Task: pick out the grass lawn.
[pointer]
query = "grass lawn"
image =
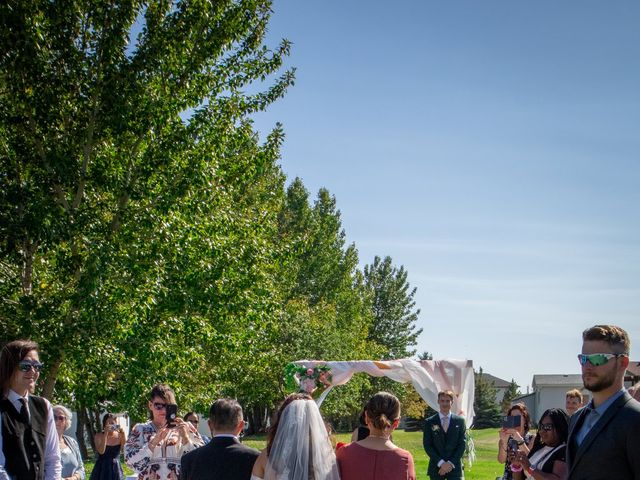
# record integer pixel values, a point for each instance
(486, 467)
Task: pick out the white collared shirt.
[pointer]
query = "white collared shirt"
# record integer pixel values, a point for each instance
(51, 461)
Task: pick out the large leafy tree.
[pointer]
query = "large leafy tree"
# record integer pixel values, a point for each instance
(136, 203)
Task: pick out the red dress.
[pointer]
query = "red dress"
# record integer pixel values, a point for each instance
(360, 463)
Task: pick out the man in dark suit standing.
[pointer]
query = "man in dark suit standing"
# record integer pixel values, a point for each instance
(444, 440)
(224, 457)
(604, 436)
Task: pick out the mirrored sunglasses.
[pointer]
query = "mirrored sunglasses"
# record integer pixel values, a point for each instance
(547, 427)
(159, 406)
(597, 359)
(25, 366)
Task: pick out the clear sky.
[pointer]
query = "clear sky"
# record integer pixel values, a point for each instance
(492, 148)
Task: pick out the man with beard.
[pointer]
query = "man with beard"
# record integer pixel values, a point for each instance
(603, 439)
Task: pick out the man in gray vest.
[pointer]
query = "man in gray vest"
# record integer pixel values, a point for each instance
(29, 447)
(604, 439)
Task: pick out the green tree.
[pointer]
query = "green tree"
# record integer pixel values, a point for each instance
(487, 410)
(137, 207)
(512, 392)
(393, 308)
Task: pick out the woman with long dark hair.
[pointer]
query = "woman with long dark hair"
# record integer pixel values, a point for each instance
(547, 458)
(109, 444)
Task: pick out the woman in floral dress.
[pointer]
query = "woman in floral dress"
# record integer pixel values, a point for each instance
(154, 449)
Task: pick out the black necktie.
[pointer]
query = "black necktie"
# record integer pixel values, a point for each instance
(24, 413)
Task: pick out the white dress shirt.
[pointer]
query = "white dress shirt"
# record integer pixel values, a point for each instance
(52, 467)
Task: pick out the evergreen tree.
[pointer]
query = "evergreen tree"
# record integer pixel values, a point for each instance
(487, 410)
(511, 393)
(393, 304)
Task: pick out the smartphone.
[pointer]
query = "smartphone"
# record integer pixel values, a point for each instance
(511, 421)
(172, 413)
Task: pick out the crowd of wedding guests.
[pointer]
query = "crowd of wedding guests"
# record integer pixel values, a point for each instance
(300, 444)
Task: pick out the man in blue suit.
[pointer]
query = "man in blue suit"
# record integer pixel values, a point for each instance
(604, 436)
(444, 440)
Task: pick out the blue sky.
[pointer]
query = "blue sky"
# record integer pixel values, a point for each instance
(492, 148)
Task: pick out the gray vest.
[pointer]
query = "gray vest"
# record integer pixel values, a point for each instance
(23, 442)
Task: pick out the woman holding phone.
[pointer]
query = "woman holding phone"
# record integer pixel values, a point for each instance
(521, 439)
(154, 448)
(109, 444)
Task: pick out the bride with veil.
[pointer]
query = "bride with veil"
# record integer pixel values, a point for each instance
(298, 446)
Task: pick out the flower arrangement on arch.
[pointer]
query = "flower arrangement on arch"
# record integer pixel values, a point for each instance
(307, 378)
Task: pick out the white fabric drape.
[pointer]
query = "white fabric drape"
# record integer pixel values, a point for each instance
(428, 377)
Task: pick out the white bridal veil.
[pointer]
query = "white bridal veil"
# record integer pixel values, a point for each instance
(301, 449)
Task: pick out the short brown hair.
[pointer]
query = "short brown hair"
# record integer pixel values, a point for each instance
(12, 354)
(447, 393)
(613, 335)
(575, 393)
(225, 414)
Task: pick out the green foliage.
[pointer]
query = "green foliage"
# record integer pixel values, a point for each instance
(512, 392)
(146, 234)
(137, 246)
(487, 410)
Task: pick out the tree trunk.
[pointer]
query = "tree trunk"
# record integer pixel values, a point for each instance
(50, 381)
(80, 429)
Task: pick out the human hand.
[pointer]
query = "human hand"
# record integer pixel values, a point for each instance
(522, 459)
(159, 437)
(184, 428)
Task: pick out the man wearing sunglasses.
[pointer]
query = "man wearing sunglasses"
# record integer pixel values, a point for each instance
(604, 436)
(29, 446)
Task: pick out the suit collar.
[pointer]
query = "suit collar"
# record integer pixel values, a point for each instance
(224, 440)
(595, 431)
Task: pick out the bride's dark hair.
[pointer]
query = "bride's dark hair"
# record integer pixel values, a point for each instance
(274, 428)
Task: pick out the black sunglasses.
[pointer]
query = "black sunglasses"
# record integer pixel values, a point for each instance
(26, 366)
(547, 427)
(159, 406)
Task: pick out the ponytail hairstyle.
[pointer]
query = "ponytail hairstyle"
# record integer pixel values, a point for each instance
(382, 410)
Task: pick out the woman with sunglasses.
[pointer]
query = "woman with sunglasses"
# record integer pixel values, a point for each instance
(154, 448)
(28, 439)
(194, 419)
(109, 444)
(546, 460)
(70, 458)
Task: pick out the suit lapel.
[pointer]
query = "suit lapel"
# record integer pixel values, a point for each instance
(596, 429)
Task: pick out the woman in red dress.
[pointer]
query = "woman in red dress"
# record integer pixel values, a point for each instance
(376, 457)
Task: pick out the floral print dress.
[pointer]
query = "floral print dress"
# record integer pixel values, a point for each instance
(161, 463)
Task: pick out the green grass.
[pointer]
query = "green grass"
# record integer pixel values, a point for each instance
(486, 467)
